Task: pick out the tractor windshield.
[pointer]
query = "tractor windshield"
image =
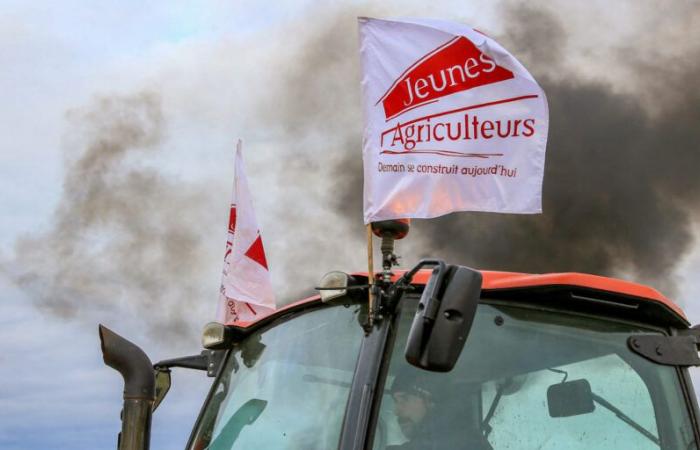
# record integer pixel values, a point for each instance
(532, 379)
(526, 379)
(285, 387)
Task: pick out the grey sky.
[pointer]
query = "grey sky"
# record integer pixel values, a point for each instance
(220, 71)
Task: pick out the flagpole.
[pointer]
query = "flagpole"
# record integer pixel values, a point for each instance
(370, 272)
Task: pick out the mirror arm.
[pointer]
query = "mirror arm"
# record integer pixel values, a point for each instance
(408, 276)
(209, 360)
(404, 283)
(197, 362)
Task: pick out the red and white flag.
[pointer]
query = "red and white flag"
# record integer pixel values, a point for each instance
(246, 292)
(453, 122)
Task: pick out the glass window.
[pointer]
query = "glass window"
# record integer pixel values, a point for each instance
(532, 379)
(285, 387)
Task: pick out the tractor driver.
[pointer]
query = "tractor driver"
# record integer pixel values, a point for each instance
(418, 413)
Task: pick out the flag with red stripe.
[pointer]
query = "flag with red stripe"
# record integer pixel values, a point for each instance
(452, 122)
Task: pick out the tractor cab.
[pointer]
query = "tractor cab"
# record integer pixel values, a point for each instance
(457, 359)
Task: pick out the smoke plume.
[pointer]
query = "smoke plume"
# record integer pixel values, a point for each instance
(620, 187)
(123, 240)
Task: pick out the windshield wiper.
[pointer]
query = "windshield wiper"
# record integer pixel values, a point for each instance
(486, 427)
(625, 418)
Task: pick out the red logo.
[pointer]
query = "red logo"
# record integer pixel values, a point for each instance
(457, 65)
(256, 252)
(232, 220)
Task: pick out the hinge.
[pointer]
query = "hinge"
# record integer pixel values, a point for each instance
(679, 350)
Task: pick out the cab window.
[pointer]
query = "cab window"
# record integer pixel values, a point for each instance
(533, 379)
(285, 387)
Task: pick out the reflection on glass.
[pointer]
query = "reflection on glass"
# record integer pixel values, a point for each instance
(601, 395)
(285, 388)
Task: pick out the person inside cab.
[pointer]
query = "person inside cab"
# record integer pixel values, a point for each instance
(433, 420)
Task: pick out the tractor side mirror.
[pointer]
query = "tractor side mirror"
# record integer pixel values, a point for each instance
(162, 385)
(570, 398)
(444, 317)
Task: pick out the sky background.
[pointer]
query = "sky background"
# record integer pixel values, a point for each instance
(116, 156)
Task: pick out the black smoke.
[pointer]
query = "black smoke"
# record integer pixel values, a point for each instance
(124, 244)
(621, 187)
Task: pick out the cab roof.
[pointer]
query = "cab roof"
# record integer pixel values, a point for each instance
(585, 292)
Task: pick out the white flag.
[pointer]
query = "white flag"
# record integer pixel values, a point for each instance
(246, 292)
(453, 122)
